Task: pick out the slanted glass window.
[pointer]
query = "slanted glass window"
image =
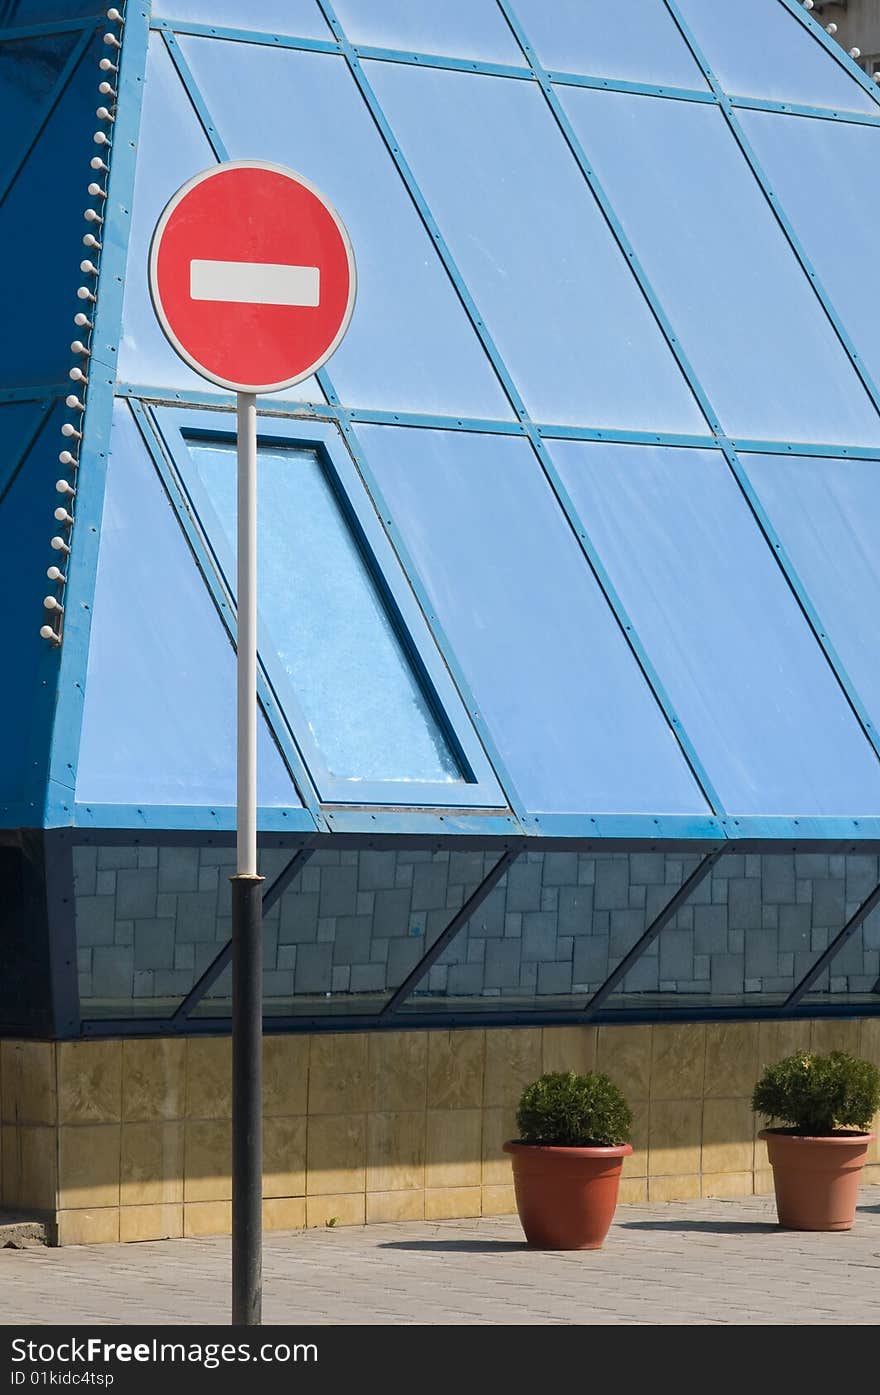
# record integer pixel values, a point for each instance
(636, 40)
(819, 172)
(578, 338)
(561, 693)
(744, 672)
(159, 712)
(324, 619)
(461, 28)
(410, 346)
(827, 513)
(742, 307)
(757, 48)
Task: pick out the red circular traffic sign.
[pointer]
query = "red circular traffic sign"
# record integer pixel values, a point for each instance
(252, 276)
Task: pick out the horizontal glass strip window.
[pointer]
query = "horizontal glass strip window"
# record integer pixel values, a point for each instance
(757, 48)
(551, 931)
(340, 939)
(748, 932)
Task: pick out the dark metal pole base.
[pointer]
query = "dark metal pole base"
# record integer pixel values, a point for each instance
(247, 1100)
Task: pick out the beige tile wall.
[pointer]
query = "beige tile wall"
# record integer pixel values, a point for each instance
(130, 1139)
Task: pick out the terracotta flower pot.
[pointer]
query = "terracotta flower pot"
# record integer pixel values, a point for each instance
(816, 1179)
(566, 1196)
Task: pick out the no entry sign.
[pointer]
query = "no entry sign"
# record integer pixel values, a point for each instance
(252, 276)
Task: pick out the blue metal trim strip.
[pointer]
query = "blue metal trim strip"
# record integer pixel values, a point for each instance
(56, 93)
(176, 493)
(433, 1019)
(242, 36)
(326, 411)
(481, 790)
(143, 817)
(402, 822)
(470, 65)
(71, 659)
(747, 447)
(52, 26)
(782, 218)
(636, 89)
(439, 60)
(492, 352)
(852, 118)
(838, 53)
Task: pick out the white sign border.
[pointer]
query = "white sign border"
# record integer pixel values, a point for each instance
(153, 279)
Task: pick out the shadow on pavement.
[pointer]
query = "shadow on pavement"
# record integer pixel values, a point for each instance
(709, 1227)
(480, 1247)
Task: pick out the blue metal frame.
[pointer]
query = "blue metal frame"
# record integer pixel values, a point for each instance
(72, 657)
(478, 788)
(153, 393)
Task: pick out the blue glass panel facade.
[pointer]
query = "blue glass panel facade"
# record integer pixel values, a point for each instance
(323, 617)
(827, 513)
(172, 148)
(726, 634)
(818, 171)
(636, 40)
(759, 49)
(459, 28)
(559, 690)
(578, 339)
(739, 302)
(159, 717)
(410, 346)
(300, 17)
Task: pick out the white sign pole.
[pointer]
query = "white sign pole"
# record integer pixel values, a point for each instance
(246, 864)
(247, 927)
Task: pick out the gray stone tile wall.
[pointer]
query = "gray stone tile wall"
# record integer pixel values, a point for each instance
(150, 920)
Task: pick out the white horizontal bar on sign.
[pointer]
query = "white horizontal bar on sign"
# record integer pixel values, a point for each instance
(255, 283)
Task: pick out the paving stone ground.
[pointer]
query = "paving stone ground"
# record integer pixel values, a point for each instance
(681, 1263)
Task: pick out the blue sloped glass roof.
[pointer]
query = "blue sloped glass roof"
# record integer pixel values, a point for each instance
(605, 425)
